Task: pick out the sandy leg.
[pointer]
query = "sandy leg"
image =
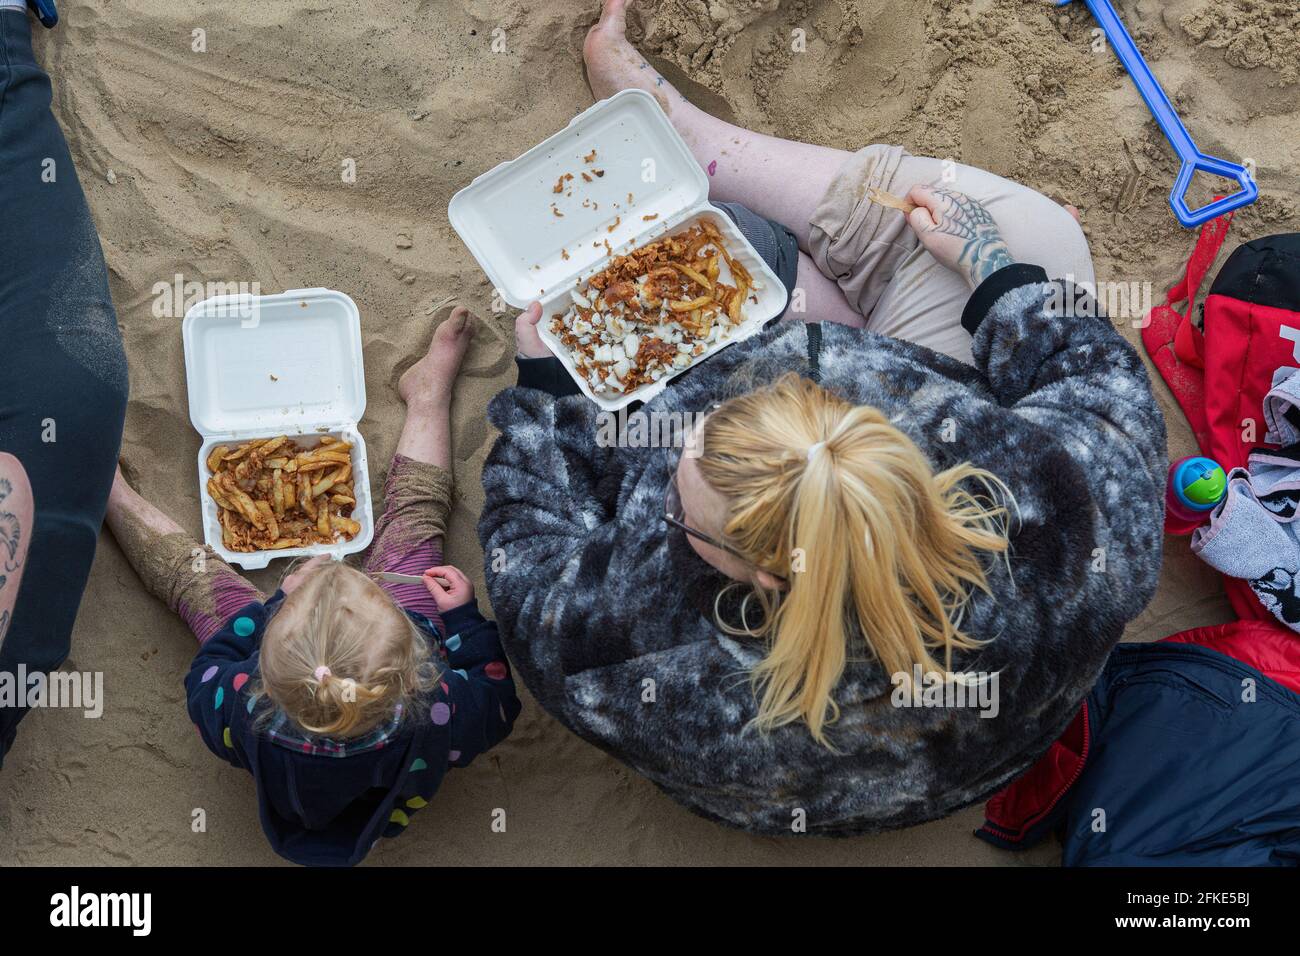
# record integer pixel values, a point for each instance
(777, 178)
(176, 569)
(426, 387)
(417, 494)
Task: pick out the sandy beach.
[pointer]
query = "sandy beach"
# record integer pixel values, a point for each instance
(228, 164)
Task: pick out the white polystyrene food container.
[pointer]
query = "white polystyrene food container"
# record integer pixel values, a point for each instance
(505, 218)
(270, 365)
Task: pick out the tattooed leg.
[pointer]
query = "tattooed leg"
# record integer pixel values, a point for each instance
(16, 515)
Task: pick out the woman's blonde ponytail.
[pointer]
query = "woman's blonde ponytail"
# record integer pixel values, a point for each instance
(878, 553)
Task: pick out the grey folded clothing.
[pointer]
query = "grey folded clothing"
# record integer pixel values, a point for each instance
(1252, 533)
(1244, 539)
(1280, 408)
(1247, 539)
(1275, 481)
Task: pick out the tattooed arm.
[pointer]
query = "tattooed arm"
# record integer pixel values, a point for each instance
(959, 232)
(15, 530)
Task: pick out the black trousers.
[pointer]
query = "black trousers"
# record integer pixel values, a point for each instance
(63, 381)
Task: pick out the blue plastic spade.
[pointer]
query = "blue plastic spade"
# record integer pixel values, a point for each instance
(45, 11)
(1192, 158)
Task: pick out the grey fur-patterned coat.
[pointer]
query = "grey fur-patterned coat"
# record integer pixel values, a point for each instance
(595, 599)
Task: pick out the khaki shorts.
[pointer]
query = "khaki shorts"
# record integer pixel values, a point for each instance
(879, 264)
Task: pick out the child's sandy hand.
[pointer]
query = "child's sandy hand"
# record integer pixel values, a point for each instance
(449, 587)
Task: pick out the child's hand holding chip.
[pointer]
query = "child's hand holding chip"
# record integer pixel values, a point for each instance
(449, 587)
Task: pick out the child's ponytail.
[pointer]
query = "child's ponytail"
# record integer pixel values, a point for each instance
(338, 705)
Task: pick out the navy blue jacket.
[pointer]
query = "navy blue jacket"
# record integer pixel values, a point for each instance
(325, 802)
(1188, 757)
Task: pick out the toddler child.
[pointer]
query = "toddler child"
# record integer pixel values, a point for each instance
(346, 699)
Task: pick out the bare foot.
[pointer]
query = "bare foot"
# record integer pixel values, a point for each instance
(613, 64)
(1073, 211)
(126, 505)
(431, 378)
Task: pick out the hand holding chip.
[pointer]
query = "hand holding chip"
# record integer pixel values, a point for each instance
(959, 232)
(449, 587)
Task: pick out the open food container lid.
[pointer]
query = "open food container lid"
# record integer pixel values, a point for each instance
(621, 170)
(259, 366)
(276, 364)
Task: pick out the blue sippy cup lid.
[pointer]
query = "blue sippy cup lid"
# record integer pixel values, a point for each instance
(1200, 483)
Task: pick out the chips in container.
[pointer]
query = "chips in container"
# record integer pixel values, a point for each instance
(260, 367)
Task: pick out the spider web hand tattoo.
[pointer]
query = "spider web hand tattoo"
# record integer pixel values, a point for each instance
(985, 251)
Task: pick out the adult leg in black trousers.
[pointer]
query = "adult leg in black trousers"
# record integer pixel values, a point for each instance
(63, 382)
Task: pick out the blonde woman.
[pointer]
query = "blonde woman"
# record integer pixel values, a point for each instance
(875, 582)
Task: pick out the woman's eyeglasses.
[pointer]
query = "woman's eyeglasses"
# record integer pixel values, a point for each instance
(675, 517)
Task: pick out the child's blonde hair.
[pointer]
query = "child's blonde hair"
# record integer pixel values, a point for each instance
(338, 655)
(846, 509)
